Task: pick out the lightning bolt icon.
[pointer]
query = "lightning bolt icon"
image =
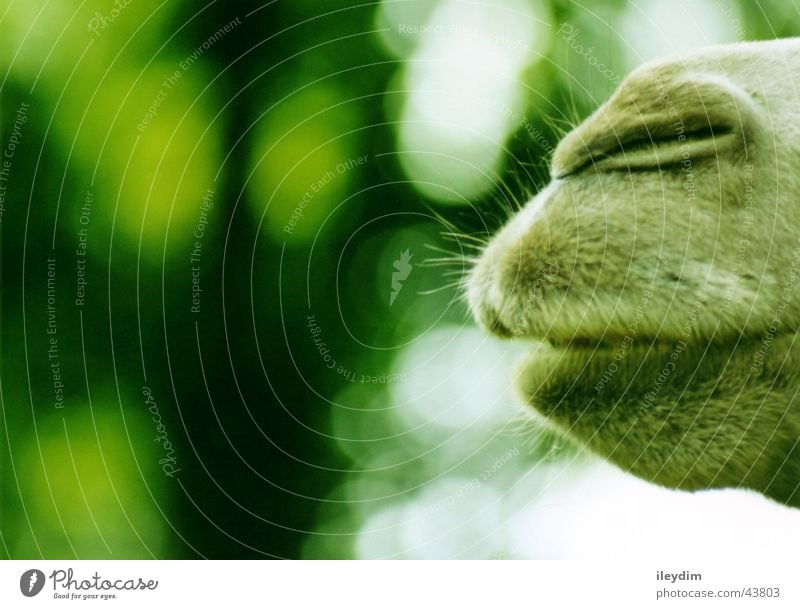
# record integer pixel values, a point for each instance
(33, 580)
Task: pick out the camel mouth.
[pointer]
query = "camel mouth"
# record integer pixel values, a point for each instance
(548, 360)
(581, 348)
(550, 369)
(577, 342)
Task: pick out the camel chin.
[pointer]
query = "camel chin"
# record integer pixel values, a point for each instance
(682, 415)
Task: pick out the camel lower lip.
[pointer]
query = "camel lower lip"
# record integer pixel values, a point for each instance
(607, 370)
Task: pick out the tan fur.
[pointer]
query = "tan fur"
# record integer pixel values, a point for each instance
(669, 236)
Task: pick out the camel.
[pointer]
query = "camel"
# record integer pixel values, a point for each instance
(657, 275)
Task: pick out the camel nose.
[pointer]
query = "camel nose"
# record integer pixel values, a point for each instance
(507, 282)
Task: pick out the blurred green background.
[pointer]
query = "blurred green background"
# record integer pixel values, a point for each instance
(224, 331)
